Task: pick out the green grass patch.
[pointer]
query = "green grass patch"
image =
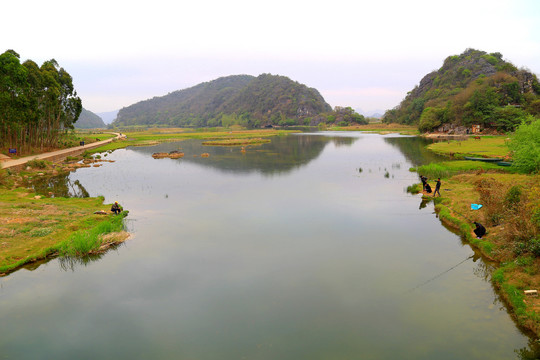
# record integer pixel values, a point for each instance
(448, 169)
(24, 240)
(414, 189)
(487, 147)
(84, 241)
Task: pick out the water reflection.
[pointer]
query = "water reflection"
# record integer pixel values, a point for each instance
(414, 149)
(230, 262)
(530, 352)
(58, 186)
(280, 156)
(71, 263)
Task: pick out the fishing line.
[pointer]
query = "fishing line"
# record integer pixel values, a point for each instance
(439, 275)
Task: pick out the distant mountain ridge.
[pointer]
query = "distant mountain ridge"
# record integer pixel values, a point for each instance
(471, 88)
(89, 120)
(108, 116)
(238, 99)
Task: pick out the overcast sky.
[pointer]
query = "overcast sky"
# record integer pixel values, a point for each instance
(364, 54)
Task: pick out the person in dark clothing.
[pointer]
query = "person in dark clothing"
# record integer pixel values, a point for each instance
(424, 181)
(116, 208)
(479, 231)
(428, 188)
(437, 187)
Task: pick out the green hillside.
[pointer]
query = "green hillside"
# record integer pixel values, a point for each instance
(89, 120)
(472, 88)
(239, 99)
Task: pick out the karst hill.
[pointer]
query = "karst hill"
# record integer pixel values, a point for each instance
(471, 88)
(238, 99)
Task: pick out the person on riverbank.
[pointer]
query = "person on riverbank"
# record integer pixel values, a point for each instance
(480, 230)
(116, 208)
(437, 187)
(424, 182)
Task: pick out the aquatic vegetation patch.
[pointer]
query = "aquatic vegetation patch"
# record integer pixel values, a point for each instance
(236, 142)
(171, 155)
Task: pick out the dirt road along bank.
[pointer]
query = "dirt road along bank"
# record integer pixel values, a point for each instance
(57, 155)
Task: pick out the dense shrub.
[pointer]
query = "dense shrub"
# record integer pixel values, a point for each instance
(519, 211)
(525, 146)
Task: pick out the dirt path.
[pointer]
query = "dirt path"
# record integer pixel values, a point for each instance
(58, 154)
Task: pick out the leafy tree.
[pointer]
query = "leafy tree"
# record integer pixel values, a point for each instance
(481, 106)
(511, 93)
(36, 103)
(525, 146)
(534, 107)
(431, 118)
(508, 118)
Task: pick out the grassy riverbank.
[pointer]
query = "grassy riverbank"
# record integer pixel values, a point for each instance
(34, 228)
(510, 213)
(486, 147)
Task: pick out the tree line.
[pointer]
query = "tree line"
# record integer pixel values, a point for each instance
(37, 103)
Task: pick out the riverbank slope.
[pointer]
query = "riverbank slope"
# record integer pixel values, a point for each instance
(510, 212)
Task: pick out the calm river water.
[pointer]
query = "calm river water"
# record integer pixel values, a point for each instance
(305, 248)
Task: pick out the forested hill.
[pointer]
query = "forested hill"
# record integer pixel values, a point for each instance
(239, 99)
(472, 88)
(89, 120)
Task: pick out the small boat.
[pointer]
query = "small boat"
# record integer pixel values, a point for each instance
(483, 159)
(504, 163)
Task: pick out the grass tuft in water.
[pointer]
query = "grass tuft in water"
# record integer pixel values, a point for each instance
(85, 241)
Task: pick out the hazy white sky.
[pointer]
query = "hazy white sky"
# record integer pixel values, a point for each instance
(364, 54)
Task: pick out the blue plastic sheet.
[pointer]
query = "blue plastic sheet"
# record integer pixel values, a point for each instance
(475, 206)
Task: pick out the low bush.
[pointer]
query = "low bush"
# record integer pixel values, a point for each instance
(38, 164)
